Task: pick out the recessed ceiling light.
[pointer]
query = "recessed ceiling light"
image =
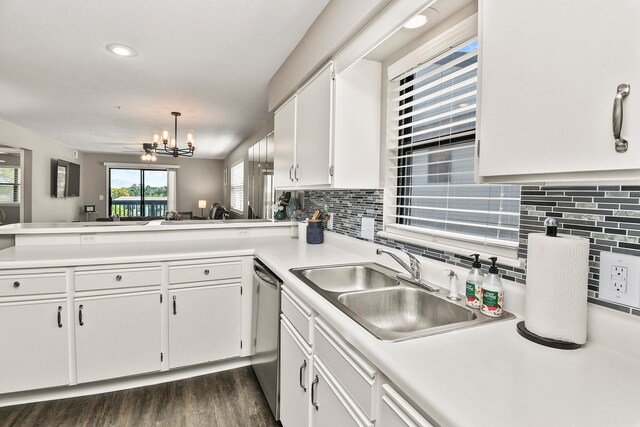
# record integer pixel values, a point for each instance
(416, 22)
(121, 50)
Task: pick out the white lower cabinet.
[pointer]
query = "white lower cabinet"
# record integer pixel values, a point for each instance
(205, 324)
(344, 388)
(117, 335)
(295, 377)
(35, 345)
(331, 405)
(395, 411)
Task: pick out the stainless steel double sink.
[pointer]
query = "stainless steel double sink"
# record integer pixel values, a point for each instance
(389, 308)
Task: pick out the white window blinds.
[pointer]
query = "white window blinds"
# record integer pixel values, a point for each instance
(9, 185)
(433, 122)
(237, 187)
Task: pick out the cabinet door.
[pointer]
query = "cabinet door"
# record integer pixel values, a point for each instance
(295, 375)
(117, 335)
(205, 324)
(330, 407)
(314, 130)
(35, 346)
(397, 412)
(549, 75)
(284, 136)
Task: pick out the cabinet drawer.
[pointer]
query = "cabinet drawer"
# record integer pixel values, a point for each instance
(332, 406)
(397, 412)
(355, 374)
(32, 284)
(298, 313)
(205, 272)
(118, 277)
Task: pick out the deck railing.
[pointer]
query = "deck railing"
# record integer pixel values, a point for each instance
(134, 208)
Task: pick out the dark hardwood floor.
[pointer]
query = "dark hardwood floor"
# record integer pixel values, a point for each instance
(225, 399)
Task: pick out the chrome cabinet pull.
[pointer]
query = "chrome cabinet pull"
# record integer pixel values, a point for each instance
(16, 284)
(314, 386)
(80, 315)
(175, 310)
(302, 369)
(621, 144)
(206, 271)
(59, 316)
(295, 172)
(290, 171)
(118, 278)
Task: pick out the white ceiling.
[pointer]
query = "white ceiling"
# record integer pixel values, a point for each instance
(209, 59)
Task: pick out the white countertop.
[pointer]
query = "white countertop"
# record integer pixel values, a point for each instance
(483, 376)
(127, 226)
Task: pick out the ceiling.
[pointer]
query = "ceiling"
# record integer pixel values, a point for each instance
(209, 59)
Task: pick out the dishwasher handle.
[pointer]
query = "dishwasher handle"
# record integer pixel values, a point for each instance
(265, 276)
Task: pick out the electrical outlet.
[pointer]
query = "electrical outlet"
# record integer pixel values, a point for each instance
(619, 286)
(88, 238)
(366, 230)
(620, 278)
(243, 234)
(619, 271)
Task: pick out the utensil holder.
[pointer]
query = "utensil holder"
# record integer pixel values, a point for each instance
(315, 233)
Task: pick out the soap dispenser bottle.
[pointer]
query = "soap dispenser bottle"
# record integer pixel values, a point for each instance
(492, 292)
(474, 284)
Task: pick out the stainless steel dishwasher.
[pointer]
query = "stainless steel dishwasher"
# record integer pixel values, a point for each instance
(266, 333)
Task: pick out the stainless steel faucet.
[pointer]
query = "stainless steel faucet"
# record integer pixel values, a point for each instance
(413, 268)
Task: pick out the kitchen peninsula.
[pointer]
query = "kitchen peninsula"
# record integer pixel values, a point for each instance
(428, 373)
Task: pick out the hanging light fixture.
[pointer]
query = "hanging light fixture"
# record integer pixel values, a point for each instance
(170, 146)
(149, 155)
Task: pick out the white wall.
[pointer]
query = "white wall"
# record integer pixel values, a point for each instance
(338, 22)
(197, 179)
(44, 208)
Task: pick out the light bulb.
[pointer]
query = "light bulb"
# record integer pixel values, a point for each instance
(156, 138)
(165, 136)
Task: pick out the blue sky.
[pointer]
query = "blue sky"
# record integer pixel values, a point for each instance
(128, 177)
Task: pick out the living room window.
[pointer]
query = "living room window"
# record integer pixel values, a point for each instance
(10, 185)
(431, 197)
(236, 182)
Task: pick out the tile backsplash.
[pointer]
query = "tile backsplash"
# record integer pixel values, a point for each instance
(609, 216)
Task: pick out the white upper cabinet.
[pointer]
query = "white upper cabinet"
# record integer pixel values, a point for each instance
(284, 134)
(328, 134)
(314, 124)
(549, 74)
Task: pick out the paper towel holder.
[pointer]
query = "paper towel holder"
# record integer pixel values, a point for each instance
(551, 225)
(547, 342)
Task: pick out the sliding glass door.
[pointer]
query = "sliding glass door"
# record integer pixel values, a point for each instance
(138, 192)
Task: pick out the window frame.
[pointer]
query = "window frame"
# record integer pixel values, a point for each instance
(233, 188)
(440, 45)
(172, 181)
(16, 185)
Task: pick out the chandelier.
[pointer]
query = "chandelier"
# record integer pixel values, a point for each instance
(169, 146)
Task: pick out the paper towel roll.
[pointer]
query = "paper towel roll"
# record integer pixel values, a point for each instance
(556, 291)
